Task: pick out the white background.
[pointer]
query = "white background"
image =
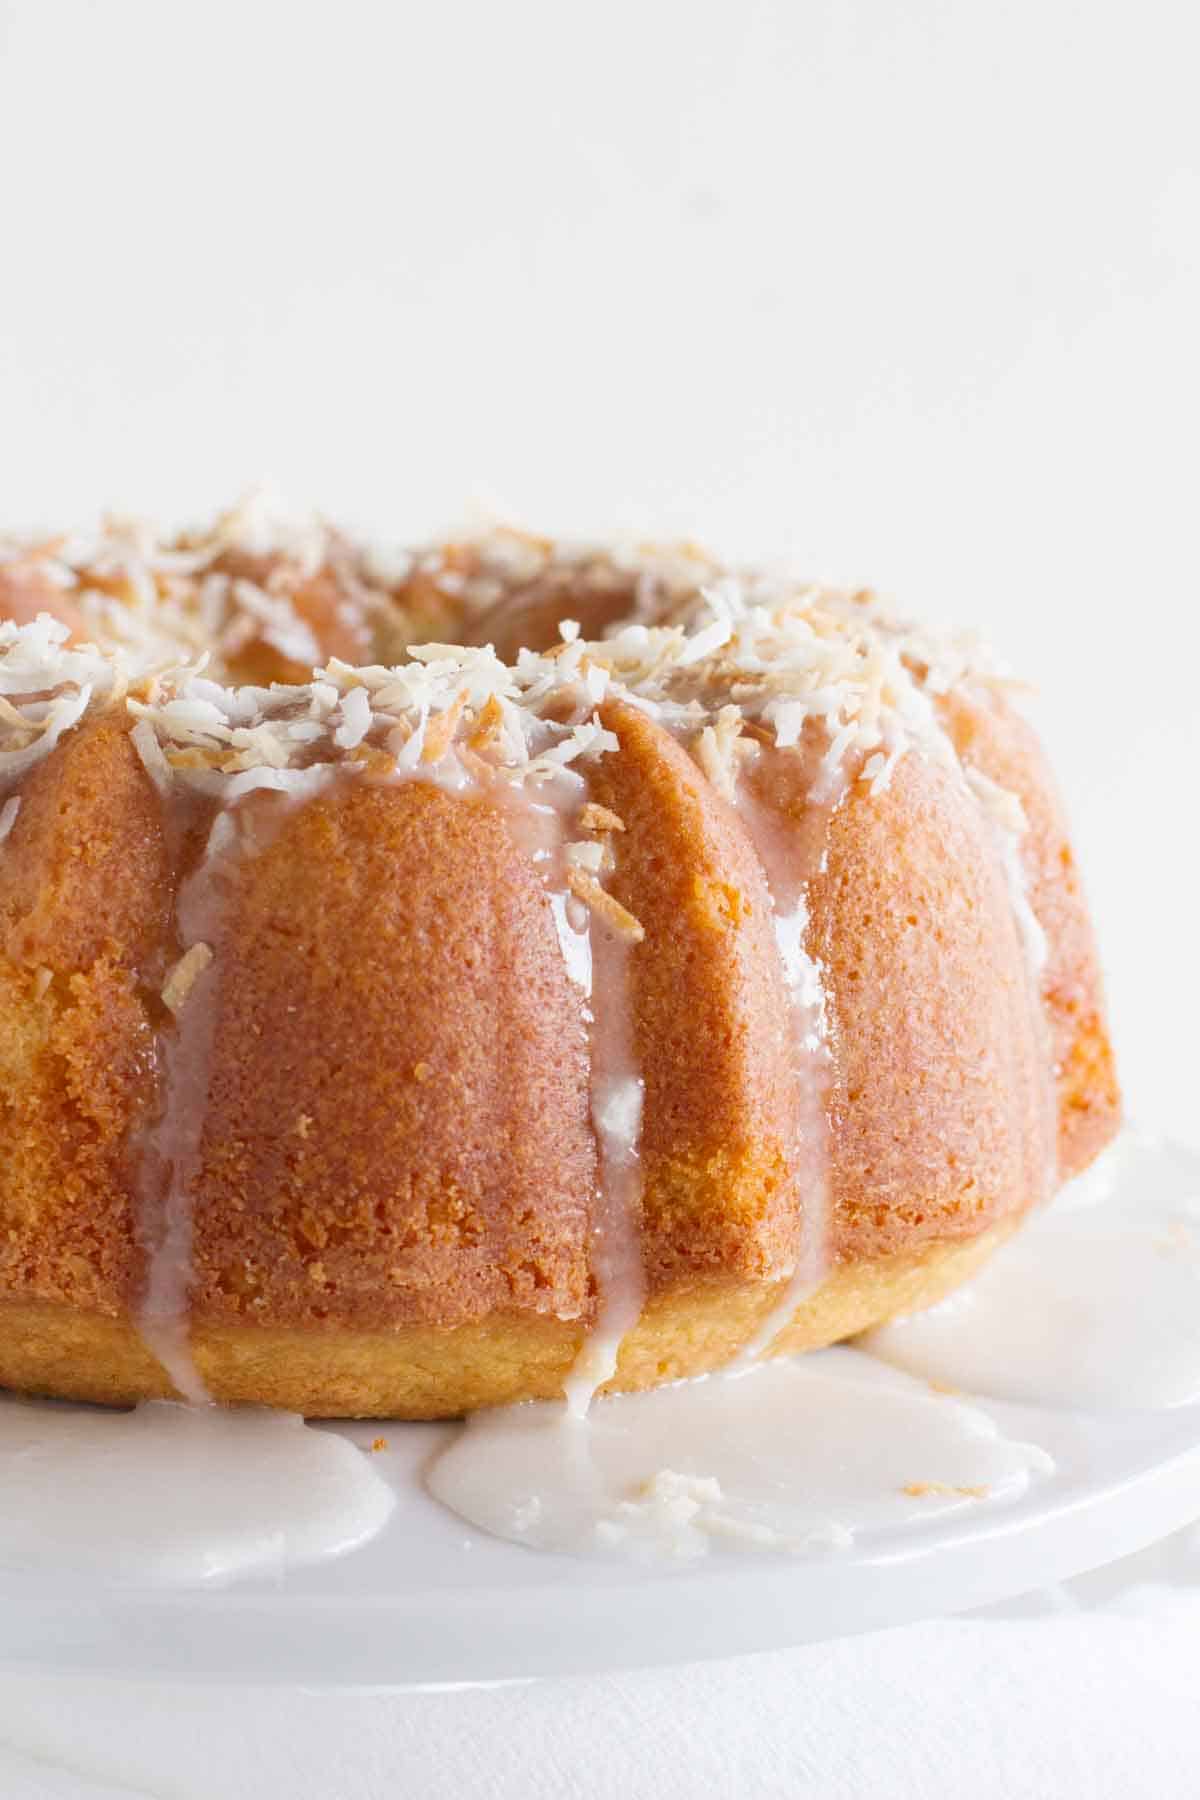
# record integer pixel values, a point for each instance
(910, 291)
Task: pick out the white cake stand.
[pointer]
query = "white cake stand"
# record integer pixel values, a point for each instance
(429, 1603)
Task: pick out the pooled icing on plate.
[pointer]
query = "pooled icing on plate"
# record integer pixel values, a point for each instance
(1093, 1305)
(179, 1495)
(805, 1454)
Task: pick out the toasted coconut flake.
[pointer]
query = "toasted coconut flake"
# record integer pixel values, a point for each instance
(146, 743)
(194, 758)
(439, 735)
(8, 815)
(488, 726)
(48, 723)
(878, 769)
(356, 719)
(184, 975)
(720, 751)
(594, 817)
(709, 638)
(598, 900)
(378, 764)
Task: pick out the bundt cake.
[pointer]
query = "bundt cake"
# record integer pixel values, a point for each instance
(429, 981)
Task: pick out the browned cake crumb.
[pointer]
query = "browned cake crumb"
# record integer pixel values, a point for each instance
(918, 1490)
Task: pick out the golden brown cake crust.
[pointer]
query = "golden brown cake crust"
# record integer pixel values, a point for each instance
(991, 735)
(936, 1130)
(434, 1371)
(386, 1144)
(84, 899)
(720, 1161)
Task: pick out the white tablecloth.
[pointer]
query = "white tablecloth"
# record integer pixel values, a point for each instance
(1083, 1693)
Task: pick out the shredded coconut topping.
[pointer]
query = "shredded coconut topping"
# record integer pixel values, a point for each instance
(594, 817)
(184, 975)
(585, 887)
(727, 661)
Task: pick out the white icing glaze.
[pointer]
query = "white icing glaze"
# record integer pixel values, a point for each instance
(179, 1495)
(1095, 1304)
(790, 855)
(1007, 819)
(170, 1150)
(617, 1093)
(597, 961)
(1007, 825)
(807, 1455)
(574, 939)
